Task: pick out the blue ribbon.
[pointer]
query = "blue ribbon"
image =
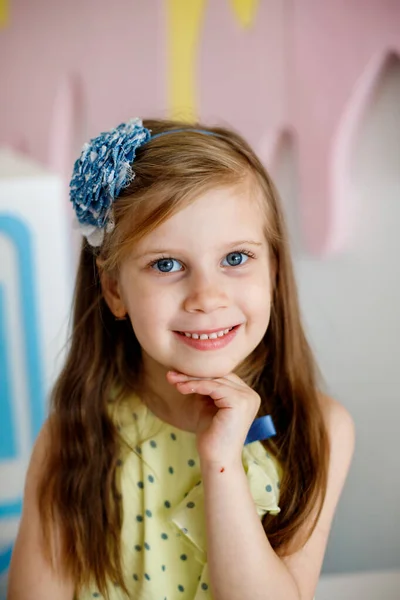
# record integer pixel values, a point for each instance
(261, 429)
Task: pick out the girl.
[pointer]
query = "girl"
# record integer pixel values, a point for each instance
(157, 475)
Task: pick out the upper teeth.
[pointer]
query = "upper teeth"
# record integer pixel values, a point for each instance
(208, 336)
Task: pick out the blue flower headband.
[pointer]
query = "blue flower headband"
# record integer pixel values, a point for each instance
(103, 169)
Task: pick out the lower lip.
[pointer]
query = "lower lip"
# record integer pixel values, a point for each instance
(215, 344)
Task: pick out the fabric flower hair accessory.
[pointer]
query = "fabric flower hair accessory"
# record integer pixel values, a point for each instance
(103, 169)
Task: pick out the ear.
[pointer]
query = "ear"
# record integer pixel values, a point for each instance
(111, 289)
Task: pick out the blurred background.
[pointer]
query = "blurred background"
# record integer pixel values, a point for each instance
(315, 88)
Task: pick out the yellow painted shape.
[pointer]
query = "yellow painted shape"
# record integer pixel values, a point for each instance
(245, 11)
(4, 12)
(184, 21)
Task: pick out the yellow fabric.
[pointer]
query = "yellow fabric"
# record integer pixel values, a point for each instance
(163, 533)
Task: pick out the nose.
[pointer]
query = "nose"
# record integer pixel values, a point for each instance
(205, 295)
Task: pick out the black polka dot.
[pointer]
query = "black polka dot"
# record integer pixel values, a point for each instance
(181, 588)
(279, 485)
(268, 488)
(204, 586)
(183, 557)
(147, 576)
(134, 415)
(163, 567)
(191, 462)
(140, 484)
(190, 504)
(135, 577)
(151, 478)
(96, 595)
(153, 444)
(149, 513)
(167, 504)
(146, 545)
(139, 518)
(119, 463)
(138, 548)
(138, 449)
(184, 530)
(164, 536)
(171, 470)
(173, 436)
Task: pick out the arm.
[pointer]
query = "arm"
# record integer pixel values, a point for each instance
(241, 561)
(31, 576)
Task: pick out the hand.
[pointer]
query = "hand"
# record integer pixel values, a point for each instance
(226, 407)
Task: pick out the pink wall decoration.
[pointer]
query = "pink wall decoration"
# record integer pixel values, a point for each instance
(337, 52)
(306, 68)
(302, 68)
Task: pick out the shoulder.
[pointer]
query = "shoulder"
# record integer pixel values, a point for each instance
(31, 575)
(341, 435)
(37, 463)
(341, 431)
(305, 564)
(42, 442)
(35, 472)
(44, 445)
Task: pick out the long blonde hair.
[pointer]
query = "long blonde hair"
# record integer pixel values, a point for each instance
(78, 487)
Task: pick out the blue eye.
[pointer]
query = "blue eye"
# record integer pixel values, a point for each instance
(235, 258)
(165, 265)
(172, 265)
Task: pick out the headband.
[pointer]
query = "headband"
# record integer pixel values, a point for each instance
(103, 169)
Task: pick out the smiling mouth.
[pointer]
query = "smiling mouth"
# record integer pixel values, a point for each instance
(211, 335)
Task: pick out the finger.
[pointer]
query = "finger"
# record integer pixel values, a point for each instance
(236, 380)
(174, 376)
(191, 385)
(218, 391)
(231, 379)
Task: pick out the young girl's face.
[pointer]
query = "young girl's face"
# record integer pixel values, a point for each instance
(203, 271)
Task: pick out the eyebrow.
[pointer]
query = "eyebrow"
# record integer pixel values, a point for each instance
(176, 251)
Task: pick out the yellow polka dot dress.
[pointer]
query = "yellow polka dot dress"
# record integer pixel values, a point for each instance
(163, 534)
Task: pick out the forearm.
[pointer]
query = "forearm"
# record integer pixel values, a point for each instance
(242, 563)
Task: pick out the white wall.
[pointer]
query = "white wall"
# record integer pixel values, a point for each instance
(351, 305)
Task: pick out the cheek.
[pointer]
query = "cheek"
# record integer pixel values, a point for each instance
(258, 296)
(138, 296)
(149, 310)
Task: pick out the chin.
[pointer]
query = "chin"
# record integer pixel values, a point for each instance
(213, 370)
